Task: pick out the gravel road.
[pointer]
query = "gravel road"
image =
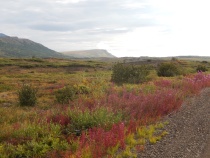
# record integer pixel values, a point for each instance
(188, 129)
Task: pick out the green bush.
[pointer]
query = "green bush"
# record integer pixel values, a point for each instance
(65, 94)
(168, 70)
(82, 120)
(202, 68)
(82, 89)
(129, 73)
(33, 140)
(27, 95)
(35, 148)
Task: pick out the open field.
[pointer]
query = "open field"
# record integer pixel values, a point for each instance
(102, 119)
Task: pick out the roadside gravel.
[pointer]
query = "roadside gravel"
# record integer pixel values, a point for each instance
(189, 131)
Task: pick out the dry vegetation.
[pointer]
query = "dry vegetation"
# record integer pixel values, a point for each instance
(94, 117)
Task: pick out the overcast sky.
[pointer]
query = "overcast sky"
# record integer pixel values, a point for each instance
(123, 27)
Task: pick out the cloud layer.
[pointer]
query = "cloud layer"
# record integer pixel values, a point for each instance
(125, 27)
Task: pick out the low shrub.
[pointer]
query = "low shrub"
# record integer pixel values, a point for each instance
(69, 93)
(100, 142)
(27, 95)
(86, 119)
(81, 89)
(202, 68)
(65, 94)
(35, 148)
(168, 70)
(129, 73)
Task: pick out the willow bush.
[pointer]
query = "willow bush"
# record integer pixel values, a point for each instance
(129, 73)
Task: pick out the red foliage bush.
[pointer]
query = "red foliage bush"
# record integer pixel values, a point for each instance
(194, 84)
(144, 106)
(97, 140)
(59, 119)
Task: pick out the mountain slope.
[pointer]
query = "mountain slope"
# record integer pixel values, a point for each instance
(2, 35)
(24, 48)
(94, 53)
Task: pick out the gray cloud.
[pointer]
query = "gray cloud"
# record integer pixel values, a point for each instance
(73, 20)
(84, 14)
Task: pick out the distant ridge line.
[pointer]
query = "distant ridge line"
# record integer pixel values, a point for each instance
(92, 53)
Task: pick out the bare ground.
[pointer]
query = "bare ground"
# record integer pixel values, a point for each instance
(189, 131)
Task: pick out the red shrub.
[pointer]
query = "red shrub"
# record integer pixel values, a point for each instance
(144, 106)
(163, 83)
(193, 84)
(97, 140)
(59, 119)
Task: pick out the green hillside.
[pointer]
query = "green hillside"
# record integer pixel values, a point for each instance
(14, 47)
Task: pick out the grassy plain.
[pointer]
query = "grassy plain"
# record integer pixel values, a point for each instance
(105, 121)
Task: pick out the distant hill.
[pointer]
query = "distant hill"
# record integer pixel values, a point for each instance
(3, 35)
(194, 58)
(14, 47)
(94, 53)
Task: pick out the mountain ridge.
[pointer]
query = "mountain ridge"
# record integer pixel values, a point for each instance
(14, 47)
(92, 53)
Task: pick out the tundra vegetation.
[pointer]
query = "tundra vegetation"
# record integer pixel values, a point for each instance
(82, 108)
